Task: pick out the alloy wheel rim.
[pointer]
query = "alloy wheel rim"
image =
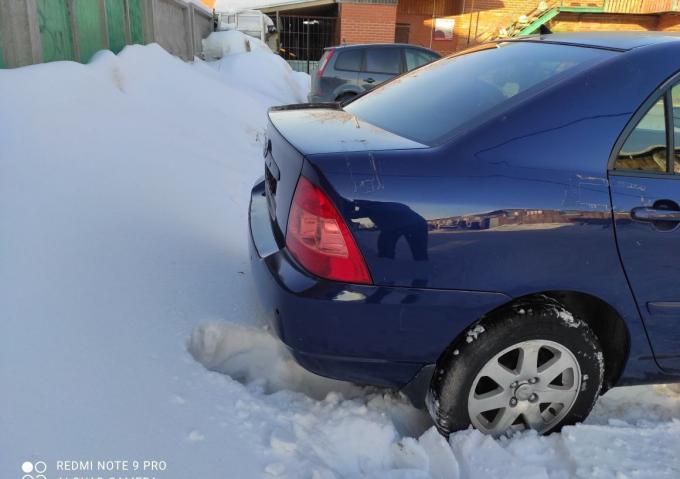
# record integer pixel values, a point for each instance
(530, 385)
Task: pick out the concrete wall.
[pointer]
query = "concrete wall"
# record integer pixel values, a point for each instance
(176, 25)
(20, 33)
(35, 31)
(203, 26)
(176, 36)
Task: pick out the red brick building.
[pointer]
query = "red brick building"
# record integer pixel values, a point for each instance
(307, 26)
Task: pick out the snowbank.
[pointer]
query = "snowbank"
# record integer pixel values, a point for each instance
(123, 196)
(220, 44)
(368, 432)
(130, 326)
(248, 64)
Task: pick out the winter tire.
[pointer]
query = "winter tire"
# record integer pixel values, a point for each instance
(532, 366)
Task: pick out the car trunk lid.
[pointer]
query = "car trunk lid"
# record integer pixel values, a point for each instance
(327, 128)
(283, 164)
(300, 130)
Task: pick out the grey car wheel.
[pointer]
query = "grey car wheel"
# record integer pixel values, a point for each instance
(536, 392)
(533, 366)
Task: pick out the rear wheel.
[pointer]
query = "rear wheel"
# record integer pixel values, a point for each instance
(533, 366)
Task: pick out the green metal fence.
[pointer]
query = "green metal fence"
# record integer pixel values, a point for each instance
(116, 24)
(48, 30)
(136, 21)
(2, 58)
(89, 23)
(55, 30)
(77, 29)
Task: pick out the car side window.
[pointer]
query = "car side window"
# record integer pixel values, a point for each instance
(675, 95)
(415, 58)
(645, 148)
(383, 60)
(350, 60)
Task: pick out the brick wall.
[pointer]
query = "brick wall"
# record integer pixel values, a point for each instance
(420, 33)
(367, 23)
(588, 22)
(572, 22)
(475, 21)
(472, 22)
(496, 13)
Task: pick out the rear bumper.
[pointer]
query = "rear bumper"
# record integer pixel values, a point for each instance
(379, 335)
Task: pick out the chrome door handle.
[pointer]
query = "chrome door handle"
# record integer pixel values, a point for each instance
(642, 213)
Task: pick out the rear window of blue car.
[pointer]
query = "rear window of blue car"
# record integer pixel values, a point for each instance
(431, 104)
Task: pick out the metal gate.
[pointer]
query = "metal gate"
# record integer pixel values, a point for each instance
(303, 38)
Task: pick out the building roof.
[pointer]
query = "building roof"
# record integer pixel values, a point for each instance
(274, 6)
(271, 6)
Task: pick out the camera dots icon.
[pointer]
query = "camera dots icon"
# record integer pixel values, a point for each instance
(34, 470)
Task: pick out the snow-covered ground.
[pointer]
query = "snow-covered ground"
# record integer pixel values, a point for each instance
(129, 326)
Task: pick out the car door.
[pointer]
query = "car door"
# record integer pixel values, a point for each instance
(380, 64)
(346, 69)
(645, 191)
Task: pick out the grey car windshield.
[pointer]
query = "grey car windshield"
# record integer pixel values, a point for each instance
(431, 103)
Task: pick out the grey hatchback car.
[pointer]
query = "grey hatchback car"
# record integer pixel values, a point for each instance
(349, 70)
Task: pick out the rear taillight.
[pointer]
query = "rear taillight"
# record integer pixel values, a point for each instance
(319, 239)
(323, 63)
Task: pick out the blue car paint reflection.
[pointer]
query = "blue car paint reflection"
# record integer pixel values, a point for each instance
(523, 203)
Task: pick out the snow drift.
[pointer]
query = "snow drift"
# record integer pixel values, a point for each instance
(123, 219)
(229, 42)
(249, 65)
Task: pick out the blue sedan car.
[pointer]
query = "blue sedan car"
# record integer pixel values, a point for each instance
(497, 234)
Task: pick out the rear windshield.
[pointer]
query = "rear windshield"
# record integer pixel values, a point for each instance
(432, 103)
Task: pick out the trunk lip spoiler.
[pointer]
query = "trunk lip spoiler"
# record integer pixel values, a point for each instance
(333, 105)
(385, 140)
